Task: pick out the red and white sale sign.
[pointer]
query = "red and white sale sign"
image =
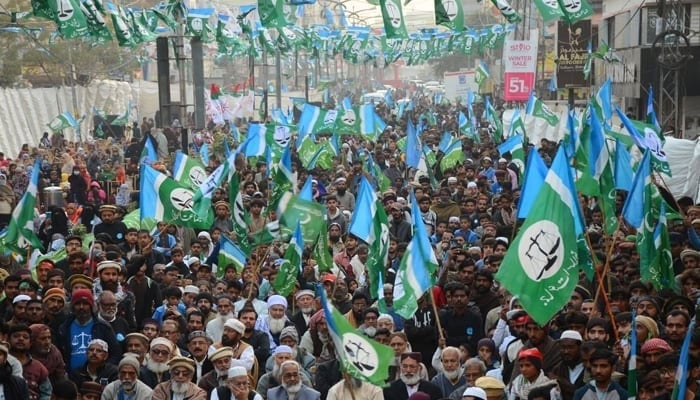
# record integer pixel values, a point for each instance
(520, 66)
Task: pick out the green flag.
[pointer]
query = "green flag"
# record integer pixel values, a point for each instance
(290, 266)
(188, 170)
(358, 355)
(549, 9)
(164, 199)
(321, 252)
(453, 155)
(69, 17)
(481, 74)
(271, 13)
(418, 265)
(449, 13)
(238, 214)
(575, 10)
(229, 253)
(608, 196)
(309, 214)
(122, 30)
(660, 272)
(507, 11)
(20, 231)
(63, 121)
(541, 266)
(392, 15)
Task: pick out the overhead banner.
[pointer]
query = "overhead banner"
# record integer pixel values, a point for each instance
(520, 65)
(572, 43)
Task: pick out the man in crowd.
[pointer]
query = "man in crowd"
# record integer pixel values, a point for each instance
(128, 386)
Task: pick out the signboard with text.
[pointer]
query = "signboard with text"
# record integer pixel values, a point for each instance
(458, 84)
(520, 65)
(572, 43)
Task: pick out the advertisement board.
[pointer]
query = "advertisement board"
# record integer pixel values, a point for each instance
(520, 65)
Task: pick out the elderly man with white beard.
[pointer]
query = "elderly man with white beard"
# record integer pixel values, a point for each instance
(291, 387)
(180, 386)
(305, 305)
(224, 309)
(451, 376)
(156, 369)
(275, 320)
(353, 388)
(409, 381)
(243, 354)
(270, 379)
(128, 386)
(237, 387)
(289, 338)
(221, 360)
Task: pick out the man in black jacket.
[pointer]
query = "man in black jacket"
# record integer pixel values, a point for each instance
(461, 325)
(409, 381)
(96, 369)
(81, 327)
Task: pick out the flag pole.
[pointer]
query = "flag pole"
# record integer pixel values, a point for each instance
(437, 316)
(601, 290)
(348, 382)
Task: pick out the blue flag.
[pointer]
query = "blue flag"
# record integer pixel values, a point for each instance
(254, 144)
(623, 167)
(149, 154)
(413, 147)
(361, 222)
(598, 157)
(306, 191)
(535, 172)
(633, 210)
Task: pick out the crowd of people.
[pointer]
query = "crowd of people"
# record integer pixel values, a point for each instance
(137, 314)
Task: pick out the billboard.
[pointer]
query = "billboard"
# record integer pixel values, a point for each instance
(458, 84)
(572, 43)
(520, 65)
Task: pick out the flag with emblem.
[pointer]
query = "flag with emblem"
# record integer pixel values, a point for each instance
(271, 13)
(238, 214)
(283, 179)
(69, 17)
(201, 202)
(63, 121)
(20, 231)
(575, 10)
(549, 9)
(357, 121)
(538, 110)
(541, 266)
(392, 15)
(449, 13)
(453, 155)
(660, 270)
(647, 137)
(417, 269)
(315, 120)
(321, 251)
(188, 171)
(507, 11)
(359, 356)
(164, 199)
(309, 214)
(229, 254)
(514, 146)
(290, 267)
(481, 74)
(370, 223)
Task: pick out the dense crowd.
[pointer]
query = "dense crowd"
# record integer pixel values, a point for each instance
(136, 314)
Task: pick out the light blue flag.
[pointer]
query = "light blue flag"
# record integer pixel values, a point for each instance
(149, 154)
(553, 83)
(328, 15)
(511, 143)
(445, 142)
(229, 253)
(402, 108)
(623, 167)
(306, 192)
(604, 100)
(535, 173)
(438, 98)
(204, 154)
(254, 145)
(388, 99)
(361, 222)
(309, 115)
(598, 156)
(235, 133)
(279, 116)
(633, 210)
(347, 103)
(682, 370)
(413, 147)
(572, 137)
(651, 114)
